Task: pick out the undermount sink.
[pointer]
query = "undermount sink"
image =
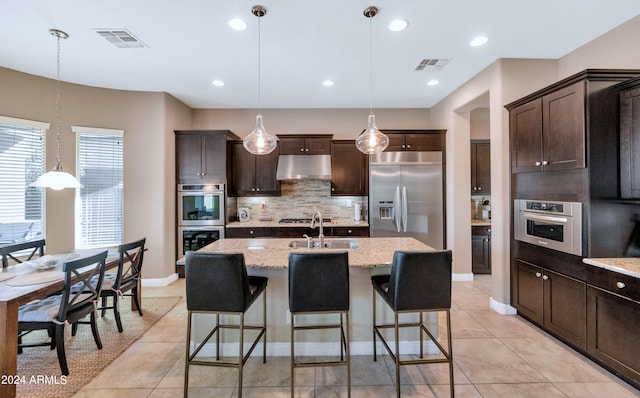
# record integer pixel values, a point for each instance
(328, 244)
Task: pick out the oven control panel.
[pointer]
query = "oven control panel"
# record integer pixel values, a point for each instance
(545, 206)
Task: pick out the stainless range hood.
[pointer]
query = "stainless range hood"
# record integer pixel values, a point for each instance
(304, 167)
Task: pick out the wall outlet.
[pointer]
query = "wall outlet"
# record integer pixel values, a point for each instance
(349, 203)
(287, 317)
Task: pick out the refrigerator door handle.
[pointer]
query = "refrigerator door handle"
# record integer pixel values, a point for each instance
(404, 208)
(397, 208)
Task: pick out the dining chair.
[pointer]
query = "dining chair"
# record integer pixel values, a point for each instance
(54, 312)
(217, 283)
(319, 284)
(126, 279)
(27, 251)
(419, 282)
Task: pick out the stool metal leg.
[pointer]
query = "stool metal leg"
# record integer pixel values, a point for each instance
(397, 358)
(217, 338)
(374, 325)
(450, 353)
(420, 332)
(186, 359)
(293, 355)
(348, 349)
(241, 355)
(264, 324)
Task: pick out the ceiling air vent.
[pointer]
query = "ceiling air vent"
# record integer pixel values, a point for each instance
(431, 64)
(120, 38)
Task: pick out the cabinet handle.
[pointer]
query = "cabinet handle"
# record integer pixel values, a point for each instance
(403, 145)
(408, 145)
(544, 162)
(332, 189)
(538, 163)
(475, 188)
(253, 189)
(479, 188)
(545, 277)
(488, 230)
(258, 189)
(301, 149)
(620, 285)
(251, 232)
(306, 150)
(538, 275)
(349, 232)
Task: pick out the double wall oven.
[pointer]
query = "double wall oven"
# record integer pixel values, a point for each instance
(550, 224)
(201, 215)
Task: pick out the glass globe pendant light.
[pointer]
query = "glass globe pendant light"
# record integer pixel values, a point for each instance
(371, 141)
(259, 141)
(57, 178)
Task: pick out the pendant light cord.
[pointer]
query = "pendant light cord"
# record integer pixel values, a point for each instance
(58, 106)
(370, 67)
(259, 66)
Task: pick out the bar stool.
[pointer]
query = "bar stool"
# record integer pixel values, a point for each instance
(419, 282)
(319, 283)
(217, 283)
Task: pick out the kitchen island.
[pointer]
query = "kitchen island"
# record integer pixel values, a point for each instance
(269, 258)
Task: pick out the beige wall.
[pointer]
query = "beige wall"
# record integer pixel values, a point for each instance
(148, 120)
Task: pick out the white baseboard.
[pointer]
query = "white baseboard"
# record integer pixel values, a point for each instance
(462, 277)
(316, 349)
(159, 282)
(501, 308)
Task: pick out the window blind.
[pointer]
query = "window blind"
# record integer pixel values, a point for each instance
(99, 203)
(22, 161)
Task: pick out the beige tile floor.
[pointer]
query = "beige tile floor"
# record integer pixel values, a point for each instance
(495, 356)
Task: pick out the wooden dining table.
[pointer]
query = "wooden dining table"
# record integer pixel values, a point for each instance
(20, 284)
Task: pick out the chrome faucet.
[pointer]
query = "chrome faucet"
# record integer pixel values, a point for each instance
(313, 225)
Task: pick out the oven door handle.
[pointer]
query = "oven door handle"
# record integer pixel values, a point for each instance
(542, 218)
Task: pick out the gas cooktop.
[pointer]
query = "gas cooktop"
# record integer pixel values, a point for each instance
(301, 220)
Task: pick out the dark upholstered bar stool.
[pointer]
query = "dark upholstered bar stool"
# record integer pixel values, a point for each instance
(217, 283)
(319, 283)
(419, 282)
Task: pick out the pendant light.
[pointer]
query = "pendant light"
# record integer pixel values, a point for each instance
(259, 142)
(56, 178)
(371, 141)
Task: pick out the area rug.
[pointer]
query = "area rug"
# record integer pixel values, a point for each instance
(39, 367)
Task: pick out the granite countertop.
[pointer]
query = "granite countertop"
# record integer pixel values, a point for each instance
(274, 252)
(274, 223)
(480, 223)
(624, 265)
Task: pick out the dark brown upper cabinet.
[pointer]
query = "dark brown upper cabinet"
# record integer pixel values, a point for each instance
(253, 175)
(548, 133)
(317, 144)
(630, 141)
(480, 167)
(349, 169)
(201, 155)
(415, 140)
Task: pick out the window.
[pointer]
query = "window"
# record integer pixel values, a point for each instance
(99, 204)
(22, 161)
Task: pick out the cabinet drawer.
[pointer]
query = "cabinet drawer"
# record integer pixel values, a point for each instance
(623, 285)
(481, 230)
(350, 231)
(244, 233)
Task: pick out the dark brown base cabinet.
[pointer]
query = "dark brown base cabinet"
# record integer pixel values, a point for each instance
(481, 249)
(552, 300)
(613, 323)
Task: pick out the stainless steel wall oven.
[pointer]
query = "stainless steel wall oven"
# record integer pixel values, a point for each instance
(550, 224)
(201, 215)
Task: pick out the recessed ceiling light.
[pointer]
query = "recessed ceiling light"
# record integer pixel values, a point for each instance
(478, 41)
(237, 24)
(433, 82)
(327, 83)
(218, 83)
(398, 24)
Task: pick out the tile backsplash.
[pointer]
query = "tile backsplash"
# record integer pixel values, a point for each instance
(300, 199)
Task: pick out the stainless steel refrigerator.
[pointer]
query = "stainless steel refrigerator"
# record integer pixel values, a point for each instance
(406, 196)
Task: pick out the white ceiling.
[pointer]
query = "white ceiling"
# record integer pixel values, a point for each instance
(303, 43)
